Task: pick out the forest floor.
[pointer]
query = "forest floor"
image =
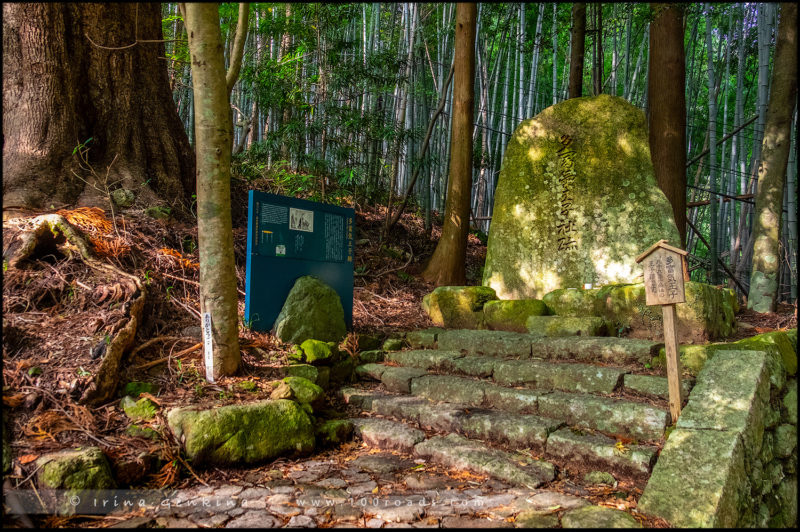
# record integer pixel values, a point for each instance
(58, 314)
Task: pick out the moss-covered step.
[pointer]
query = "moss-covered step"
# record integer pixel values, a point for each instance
(459, 453)
(394, 379)
(457, 307)
(516, 431)
(558, 376)
(387, 435)
(566, 326)
(653, 386)
(556, 224)
(611, 416)
(242, 434)
(608, 350)
(423, 358)
(596, 450)
(423, 339)
(512, 314)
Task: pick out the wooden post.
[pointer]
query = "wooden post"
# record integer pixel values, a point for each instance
(664, 274)
(673, 362)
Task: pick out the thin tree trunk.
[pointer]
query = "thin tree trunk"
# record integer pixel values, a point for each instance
(447, 265)
(218, 295)
(763, 294)
(668, 113)
(576, 54)
(712, 153)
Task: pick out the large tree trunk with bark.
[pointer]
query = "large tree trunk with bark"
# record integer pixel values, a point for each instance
(60, 89)
(667, 97)
(576, 55)
(218, 296)
(763, 294)
(447, 265)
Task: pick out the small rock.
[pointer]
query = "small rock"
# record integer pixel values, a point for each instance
(536, 519)
(598, 517)
(331, 483)
(284, 511)
(599, 477)
(393, 344)
(374, 523)
(123, 197)
(254, 519)
(333, 432)
(142, 410)
(468, 522)
(382, 463)
(301, 521)
(158, 212)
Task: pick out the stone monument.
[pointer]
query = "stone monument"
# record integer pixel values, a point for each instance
(576, 201)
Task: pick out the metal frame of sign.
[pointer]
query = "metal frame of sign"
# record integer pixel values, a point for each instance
(288, 238)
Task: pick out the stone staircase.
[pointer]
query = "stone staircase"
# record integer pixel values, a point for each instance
(523, 409)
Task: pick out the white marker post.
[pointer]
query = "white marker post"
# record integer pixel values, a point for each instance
(208, 347)
(664, 274)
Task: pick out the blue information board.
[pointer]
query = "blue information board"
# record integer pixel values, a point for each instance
(288, 238)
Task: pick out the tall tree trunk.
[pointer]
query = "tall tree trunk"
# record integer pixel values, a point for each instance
(712, 153)
(668, 108)
(218, 296)
(59, 90)
(772, 170)
(576, 54)
(447, 265)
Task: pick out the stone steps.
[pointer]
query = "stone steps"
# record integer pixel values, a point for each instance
(618, 417)
(540, 435)
(591, 349)
(456, 452)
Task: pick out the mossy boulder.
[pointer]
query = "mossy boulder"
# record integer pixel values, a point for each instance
(305, 391)
(565, 326)
(242, 434)
(123, 197)
(574, 302)
(138, 431)
(333, 432)
(512, 314)
(458, 307)
(138, 410)
(707, 314)
(343, 371)
(394, 344)
(311, 310)
(315, 352)
(84, 469)
(307, 371)
(576, 200)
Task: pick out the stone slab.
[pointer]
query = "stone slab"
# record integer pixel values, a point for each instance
(385, 434)
(493, 343)
(423, 359)
(450, 389)
(598, 517)
(608, 350)
(424, 339)
(517, 431)
(732, 393)
(612, 416)
(714, 462)
(511, 399)
(475, 366)
(558, 326)
(550, 376)
(600, 451)
(653, 385)
(458, 452)
(398, 379)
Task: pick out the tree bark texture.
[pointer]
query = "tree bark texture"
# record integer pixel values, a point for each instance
(576, 54)
(213, 129)
(447, 265)
(59, 90)
(775, 146)
(668, 108)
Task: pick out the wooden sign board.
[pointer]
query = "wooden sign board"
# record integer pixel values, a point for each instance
(664, 268)
(663, 274)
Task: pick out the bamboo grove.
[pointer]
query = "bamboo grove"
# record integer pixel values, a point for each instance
(351, 102)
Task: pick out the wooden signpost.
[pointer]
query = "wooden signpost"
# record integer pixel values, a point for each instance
(664, 273)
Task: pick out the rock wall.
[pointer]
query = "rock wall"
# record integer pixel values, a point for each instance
(731, 460)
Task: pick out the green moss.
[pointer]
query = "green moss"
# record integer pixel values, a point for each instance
(304, 390)
(142, 410)
(315, 352)
(333, 432)
(565, 326)
(512, 315)
(85, 469)
(311, 310)
(137, 431)
(458, 307)
(306, 371)
(248, 386)
(393, 344)
(135, 388)
(574, 302)
(243, 434)
(343, 371)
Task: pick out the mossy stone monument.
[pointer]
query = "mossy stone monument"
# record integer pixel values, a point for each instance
(576, 200)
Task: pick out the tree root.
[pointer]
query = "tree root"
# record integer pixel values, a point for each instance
(54, 230)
